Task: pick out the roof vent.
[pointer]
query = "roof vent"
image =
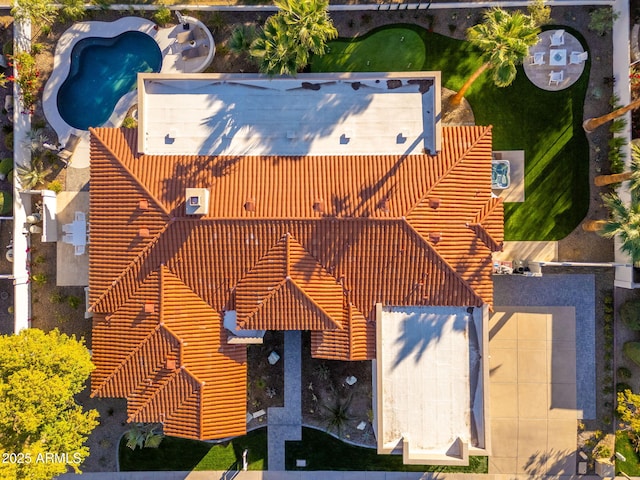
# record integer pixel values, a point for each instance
(143, 204)
(434, 202)
(318, 205)
(384, 205)
(250, 205)
(149, 307)
(197, 201)
(435, 237)
(144, 232)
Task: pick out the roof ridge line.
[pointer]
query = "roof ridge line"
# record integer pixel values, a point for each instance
(94, 131)
(268, 296)
(156, 391)
(444, 261)
(126, 359)
(316, 304)
(485, 212)
(445, 174)
(128, 268)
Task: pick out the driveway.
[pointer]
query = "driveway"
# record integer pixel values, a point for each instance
(533, 391)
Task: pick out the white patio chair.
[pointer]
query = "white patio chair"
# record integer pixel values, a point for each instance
(80, 217)
(537, 59)
(79, 249)
(67, 228)
(577, 58)
(557, 38)
(556, 77)
(68, 238)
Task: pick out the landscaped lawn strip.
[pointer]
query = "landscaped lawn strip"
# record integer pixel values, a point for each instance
(546, 125)
(179, 454)
(632, 464)
(324, 452)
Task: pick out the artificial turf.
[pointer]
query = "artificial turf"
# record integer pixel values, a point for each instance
(324, 452)
(179, 454)
(631, 465)
(546, 125)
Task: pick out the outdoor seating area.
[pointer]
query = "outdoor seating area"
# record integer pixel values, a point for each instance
(556, 61)
(76, 233)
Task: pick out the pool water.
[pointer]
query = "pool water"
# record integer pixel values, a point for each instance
(500, 175)
(102, 71)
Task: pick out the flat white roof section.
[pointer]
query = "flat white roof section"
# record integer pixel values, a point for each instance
(428, 377)
(312, 114)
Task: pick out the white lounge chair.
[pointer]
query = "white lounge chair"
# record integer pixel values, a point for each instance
(557, 38)
(67, 228)
(67, 152)
(577, 58)
(80, 217)
(556, 77)
(68, 238)
(537, 59)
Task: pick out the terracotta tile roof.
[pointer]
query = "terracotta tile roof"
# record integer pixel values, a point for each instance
(322, 239)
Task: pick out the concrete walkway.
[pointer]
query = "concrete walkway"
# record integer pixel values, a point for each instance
(285, 423)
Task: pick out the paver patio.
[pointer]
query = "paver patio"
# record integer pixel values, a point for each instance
(533, 390)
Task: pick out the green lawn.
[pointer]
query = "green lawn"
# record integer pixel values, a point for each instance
(632, 465)
(324, 452)
(546, 125)
(179, 454)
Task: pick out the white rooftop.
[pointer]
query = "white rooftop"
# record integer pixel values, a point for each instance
(312, 114)
(427, 368)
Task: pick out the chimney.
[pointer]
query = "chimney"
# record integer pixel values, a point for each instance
(144, 232)
(149, 307)
(143, 204)
(250, 205)
(170, 364)
(434, 202)
(197, 201)
(435, 237)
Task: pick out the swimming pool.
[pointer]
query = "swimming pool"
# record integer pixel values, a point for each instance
(102, 71)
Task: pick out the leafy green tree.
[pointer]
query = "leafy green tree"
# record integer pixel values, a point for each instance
(624, 223)
(39, 375)
(601, 20)
(72, 10)
(163, 16)
(300, 28)
(539, 12)
(38, 11)
(504, 40)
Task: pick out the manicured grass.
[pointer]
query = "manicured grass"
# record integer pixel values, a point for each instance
(546, 125)
(632, 464)
(324, 452)
(179, 454)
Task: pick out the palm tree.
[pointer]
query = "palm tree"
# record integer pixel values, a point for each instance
(143, 436)
(300, 27)
(504, 40)
(277, 51)
(623, 223)
(241, 38)
(633, 175)
(590, 124)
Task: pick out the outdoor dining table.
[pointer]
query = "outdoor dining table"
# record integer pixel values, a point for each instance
(556, 58)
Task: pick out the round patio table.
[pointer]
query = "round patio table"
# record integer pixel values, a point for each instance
(556, 59)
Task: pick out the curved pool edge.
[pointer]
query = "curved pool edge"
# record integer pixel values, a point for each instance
(62, 64)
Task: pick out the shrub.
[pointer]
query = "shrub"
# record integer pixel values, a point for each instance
(601, 20)
(632, 351)
(6, 165)
(129, 122)
(241, 38)
(8, 141)
(56, 297)
(624, 372)
(7, 48)
(6, 203)
(73, 301)
(39, 278)
(55, 186)
(163, 16)
(630, 314)
(622, 386)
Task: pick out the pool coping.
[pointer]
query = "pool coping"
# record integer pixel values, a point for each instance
(164, 37)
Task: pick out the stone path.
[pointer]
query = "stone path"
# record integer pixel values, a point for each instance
(285, 423)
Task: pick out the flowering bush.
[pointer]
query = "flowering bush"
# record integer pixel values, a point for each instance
(28, 80)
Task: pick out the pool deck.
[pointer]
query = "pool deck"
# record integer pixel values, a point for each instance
(172, 62)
